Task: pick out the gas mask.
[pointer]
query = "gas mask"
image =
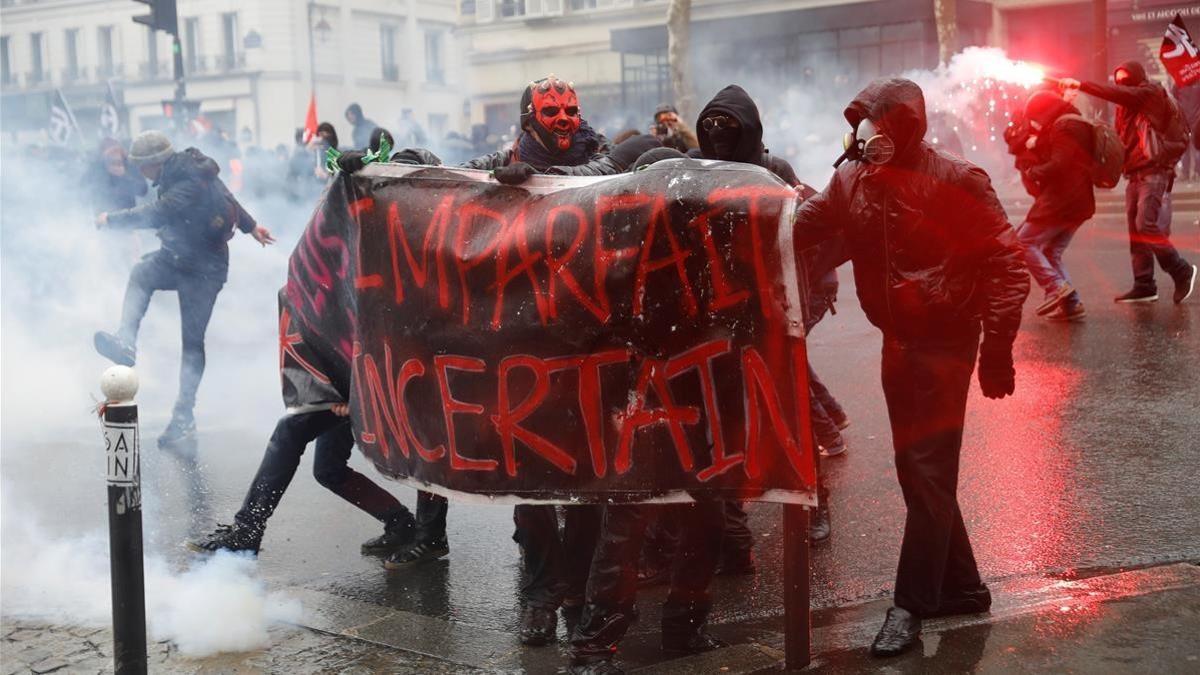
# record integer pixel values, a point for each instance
(867, 144)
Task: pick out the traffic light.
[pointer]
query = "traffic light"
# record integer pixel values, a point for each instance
(162, 16)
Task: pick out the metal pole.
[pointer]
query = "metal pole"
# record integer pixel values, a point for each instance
(312, 56)
(1100, 53)
(797, 620)
(120, 416)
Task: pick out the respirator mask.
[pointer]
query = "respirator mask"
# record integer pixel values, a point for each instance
(867, 144)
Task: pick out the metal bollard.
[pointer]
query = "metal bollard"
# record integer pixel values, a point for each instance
(797, 566)
(119, 385)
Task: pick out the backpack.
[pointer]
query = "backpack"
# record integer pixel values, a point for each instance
(1108, 153)
(1165, 134)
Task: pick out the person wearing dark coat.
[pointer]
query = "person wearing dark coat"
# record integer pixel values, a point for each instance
(194, 216)
(730, 129)
(1059, 173)
(360, 135)
(554, 563)
(114, 182)
(612, 580)
(936, 264)
(1154, 134)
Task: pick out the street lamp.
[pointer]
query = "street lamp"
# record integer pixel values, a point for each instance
(323, 28)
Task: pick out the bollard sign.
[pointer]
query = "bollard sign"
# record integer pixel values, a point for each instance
(121, 445)
(624, 338)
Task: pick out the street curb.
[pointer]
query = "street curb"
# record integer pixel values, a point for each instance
(853, 626)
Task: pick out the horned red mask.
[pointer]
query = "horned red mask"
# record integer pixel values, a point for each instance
(555, 111)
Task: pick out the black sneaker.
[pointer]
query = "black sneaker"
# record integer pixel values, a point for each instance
(228, 538)
(1054, 299)
(1184, 288)
(398, 534)
(833, 447)
(115, 349)
(539, 626)
(694, 643)
(901, 631)
(417, 553)
(1138, 295)
(819, 526)
(1064, 314)
(180, 431)
(841, 420)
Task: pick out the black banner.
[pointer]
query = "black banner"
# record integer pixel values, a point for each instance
(626, 338)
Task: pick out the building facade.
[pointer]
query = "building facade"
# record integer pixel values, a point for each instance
(616, 50)
(248, 63)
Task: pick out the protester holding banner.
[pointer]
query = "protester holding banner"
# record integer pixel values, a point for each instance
(935, 260)
(330, 427)
(194, 216)
(1059, 176)
(730, 130)
(1155, 135)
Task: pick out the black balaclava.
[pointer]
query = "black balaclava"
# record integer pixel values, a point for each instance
(744, 145)
(1137, 73)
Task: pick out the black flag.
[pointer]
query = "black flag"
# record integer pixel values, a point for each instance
(62, 125)
(110, 115)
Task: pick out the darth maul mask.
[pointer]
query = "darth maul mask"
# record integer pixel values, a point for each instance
(552, 113)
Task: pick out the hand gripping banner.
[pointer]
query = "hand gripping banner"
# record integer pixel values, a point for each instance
(625, 338)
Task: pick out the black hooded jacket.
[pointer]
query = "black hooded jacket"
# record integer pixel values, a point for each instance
(194, 214)
(933, 252)
(1060, 162)
(1146, 121)
(734, 102)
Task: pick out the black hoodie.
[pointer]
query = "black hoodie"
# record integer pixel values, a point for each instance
(734, 102)
(194, 214)
(933, 252)
(1150, 126)
(1060, 163)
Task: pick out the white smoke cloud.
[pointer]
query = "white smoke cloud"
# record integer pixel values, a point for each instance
(218, 604)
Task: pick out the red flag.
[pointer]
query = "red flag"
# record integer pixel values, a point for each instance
(310, 120)
(1179, 53)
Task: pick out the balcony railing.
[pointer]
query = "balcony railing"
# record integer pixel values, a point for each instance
(154, 71)
(226, 63)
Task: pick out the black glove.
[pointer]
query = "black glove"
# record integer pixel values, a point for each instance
(351, 162)
(997, 377)
(417, 156)
(514, 174)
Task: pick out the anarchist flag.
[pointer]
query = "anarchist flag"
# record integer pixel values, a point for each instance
(627, 338)
(61, 127)
(110, 115)
(1179, 53)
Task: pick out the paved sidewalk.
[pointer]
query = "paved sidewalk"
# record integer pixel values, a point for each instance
(29, 647)
(1137, 621)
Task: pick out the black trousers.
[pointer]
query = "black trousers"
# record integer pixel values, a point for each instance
(335, 441)
(197, 289)
(612, 582)
(554, 562)
(925, 384)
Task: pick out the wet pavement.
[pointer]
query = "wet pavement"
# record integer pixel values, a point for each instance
(1089, 468)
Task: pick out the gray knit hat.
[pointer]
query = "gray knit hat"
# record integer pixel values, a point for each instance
(150, 147)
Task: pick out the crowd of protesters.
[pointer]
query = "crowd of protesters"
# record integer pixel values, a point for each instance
(946, 291)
